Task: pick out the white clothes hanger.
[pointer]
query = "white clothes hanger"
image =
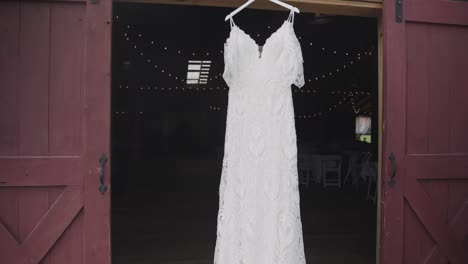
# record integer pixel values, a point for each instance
(233, 13)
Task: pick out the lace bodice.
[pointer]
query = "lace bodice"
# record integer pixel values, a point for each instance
(259, 216)
(279, 58)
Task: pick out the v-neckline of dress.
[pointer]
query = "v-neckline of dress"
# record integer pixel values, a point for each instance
(267, 41)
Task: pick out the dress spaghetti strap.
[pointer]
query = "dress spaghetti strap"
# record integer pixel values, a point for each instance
(231, 21)
(291, 17)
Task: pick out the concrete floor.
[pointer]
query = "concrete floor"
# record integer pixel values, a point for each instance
(166, 214)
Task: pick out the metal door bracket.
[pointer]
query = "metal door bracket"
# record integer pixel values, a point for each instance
(102, 164)
(399, 11)
(392, 159)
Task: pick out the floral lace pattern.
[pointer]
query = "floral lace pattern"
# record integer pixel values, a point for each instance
(259, 216)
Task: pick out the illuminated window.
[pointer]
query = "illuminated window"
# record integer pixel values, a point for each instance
(198, 71)
(363, 129)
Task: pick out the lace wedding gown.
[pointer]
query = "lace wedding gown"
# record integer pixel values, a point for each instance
(259, 217)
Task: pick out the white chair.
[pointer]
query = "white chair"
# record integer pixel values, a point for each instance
(356, 163)
(307, 167)
(369, 172)
(352, 167)
(331, 169)
(304, 172)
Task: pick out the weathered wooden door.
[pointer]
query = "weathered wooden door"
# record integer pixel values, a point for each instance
(425, 213)
(54, 125)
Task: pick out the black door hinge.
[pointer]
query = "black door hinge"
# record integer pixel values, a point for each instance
(399, 11)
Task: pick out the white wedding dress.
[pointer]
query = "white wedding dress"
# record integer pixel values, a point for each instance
(259, 217)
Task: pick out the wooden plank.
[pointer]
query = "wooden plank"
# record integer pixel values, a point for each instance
(436, 11)
(96, 131)
(436, 112)
(9, 213)
(60, 1)
(52, 226)
(34, 89)
(9, 210)
(47, 171)
(66, 70)
(439, 88)
(10, 249)
(419, 101)
(415, 233)
(394, 107)
(9, 26)
(434, 221)
(458, 209)
(447, 167)
(380, 133)
(333, 7)
(32, 207)
(69, 247)
(53, 193)
(435, 257)
(458, 110)
(418, 85)
(46, 232)
(49, 104)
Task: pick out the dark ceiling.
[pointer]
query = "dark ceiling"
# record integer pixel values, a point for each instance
(153, 43)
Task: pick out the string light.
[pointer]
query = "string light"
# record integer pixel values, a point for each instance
(305, 90)
(348, 98)
(149, 60)
(128, 32)
(191, 88)
(323, 113)
(215, 108)
(325, 76)
(226, 88)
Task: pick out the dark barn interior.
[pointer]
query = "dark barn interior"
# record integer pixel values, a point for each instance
(168, 131)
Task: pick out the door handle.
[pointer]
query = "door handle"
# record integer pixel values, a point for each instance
(102, 164)
(392, 159)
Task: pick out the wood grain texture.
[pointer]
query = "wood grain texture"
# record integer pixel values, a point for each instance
(379, 184)
(423, 82)
(52, 226)
(66, 73)
(9, 73)
(9, 202)
(34, 90)
(394, 109)
(43, 164)
(69, 247)
(436, 11)
(46, 171)
(40, 226)
(333, 7)
(96, 132)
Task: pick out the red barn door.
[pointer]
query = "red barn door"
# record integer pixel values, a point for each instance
(425, 213)
(54, 125)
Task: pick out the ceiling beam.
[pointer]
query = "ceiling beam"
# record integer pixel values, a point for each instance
(365, 8)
